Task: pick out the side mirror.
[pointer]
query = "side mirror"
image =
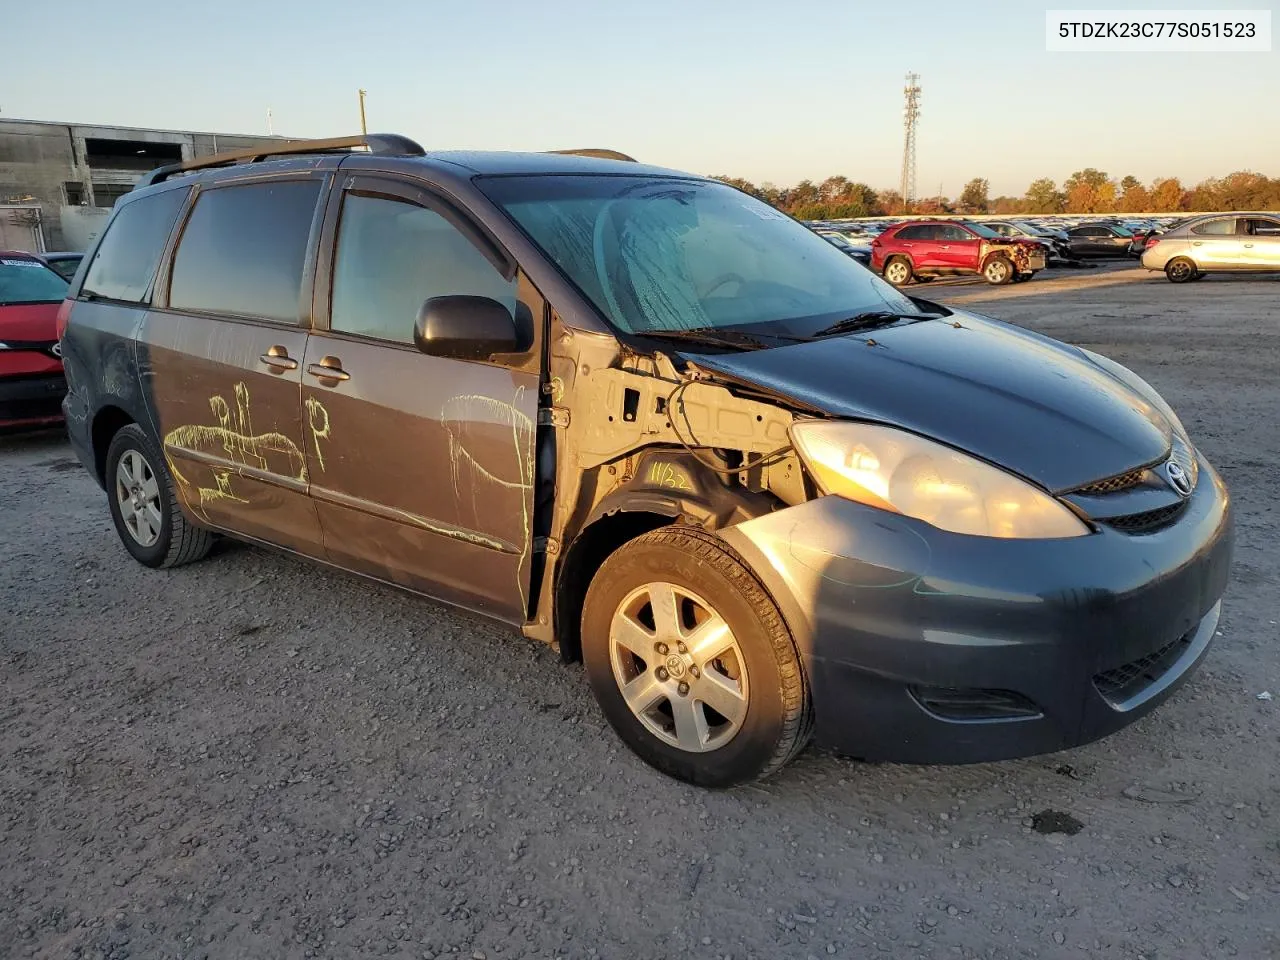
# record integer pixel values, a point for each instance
(465, 328)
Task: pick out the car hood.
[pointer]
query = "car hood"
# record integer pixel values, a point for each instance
(1027, 403)
(29, 321)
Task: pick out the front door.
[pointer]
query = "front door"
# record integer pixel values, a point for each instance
(222, 357)
(1261, 242)
(421, 466)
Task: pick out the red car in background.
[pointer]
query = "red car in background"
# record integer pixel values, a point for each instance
(31, 379)
(930, 248)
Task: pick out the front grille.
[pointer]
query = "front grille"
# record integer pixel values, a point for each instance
(956, 703)
(1126, 481)
(1129, 679)
(1147, 522)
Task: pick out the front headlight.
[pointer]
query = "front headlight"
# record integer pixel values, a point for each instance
(907, 474)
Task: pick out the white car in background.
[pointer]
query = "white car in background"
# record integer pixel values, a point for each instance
(1216, 243)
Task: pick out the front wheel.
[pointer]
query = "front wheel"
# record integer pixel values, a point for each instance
(147, 516)
(998, 271)
(1180, 270)
(691, 661)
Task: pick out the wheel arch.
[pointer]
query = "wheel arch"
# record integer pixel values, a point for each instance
(664, 487)
(107, 422)
(598, 539)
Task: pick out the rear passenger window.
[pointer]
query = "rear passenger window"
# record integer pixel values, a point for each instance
(392, 257)
(917, 233)
(126, 260)
(243, 249)
(1216, 228)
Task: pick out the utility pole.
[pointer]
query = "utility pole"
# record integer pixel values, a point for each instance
(911, 115)
(364, 127)
(270, 129)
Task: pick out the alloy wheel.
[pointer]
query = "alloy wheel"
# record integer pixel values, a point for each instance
(896, 272)
(679, 667)
(138, 497)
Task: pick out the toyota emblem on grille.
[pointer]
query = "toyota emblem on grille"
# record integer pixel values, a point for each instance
(56, 349)
(1178, 478)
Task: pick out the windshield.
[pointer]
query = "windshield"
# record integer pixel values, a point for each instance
(656, 254)
(982, 231)
(28, 281)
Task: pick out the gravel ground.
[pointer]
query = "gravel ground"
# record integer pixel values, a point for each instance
(254, 757)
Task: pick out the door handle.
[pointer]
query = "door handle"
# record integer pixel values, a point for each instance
(1248, 244)
(277, 357)
(1196, 243)
(329, 368)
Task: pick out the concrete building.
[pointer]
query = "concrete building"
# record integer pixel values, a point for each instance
(58, 181)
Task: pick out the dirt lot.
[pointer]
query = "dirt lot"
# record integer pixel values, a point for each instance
(252, 757)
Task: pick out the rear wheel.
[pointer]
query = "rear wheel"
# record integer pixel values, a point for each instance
(998, 271)
(691, 661)
(898, 271)
(1180, 270)
(147, 516)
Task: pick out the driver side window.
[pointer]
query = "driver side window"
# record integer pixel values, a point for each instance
(393, 256)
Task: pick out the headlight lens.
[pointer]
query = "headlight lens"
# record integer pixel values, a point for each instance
(904, 473)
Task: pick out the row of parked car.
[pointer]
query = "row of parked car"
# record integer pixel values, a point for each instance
(1008, 251)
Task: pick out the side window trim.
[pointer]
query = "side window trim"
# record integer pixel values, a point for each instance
(403, 190)
(164, 276)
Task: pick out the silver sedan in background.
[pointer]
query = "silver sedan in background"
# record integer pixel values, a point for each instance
(1217, 243)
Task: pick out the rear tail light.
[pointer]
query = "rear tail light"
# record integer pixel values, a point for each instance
(1152, 241)
(64, 314)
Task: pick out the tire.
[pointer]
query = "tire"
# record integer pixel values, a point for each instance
(998, 271)
(1180, 270)
(767, 716)
(898, 271)
(924, 279)
(156, 532)
(1023, 277)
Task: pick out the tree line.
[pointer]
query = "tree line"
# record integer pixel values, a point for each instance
(1085, 191)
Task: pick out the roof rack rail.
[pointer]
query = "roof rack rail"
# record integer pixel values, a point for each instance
(379, 144)
(597, 152)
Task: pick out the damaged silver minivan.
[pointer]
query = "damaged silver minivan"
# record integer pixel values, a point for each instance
(643, 416)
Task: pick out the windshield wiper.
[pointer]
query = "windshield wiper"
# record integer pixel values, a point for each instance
(870, 320)
(708, 335)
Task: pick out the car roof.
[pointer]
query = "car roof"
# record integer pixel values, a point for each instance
(512, 163)
(19, 255)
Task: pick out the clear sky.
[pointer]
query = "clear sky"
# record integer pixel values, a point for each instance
(770, 90)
